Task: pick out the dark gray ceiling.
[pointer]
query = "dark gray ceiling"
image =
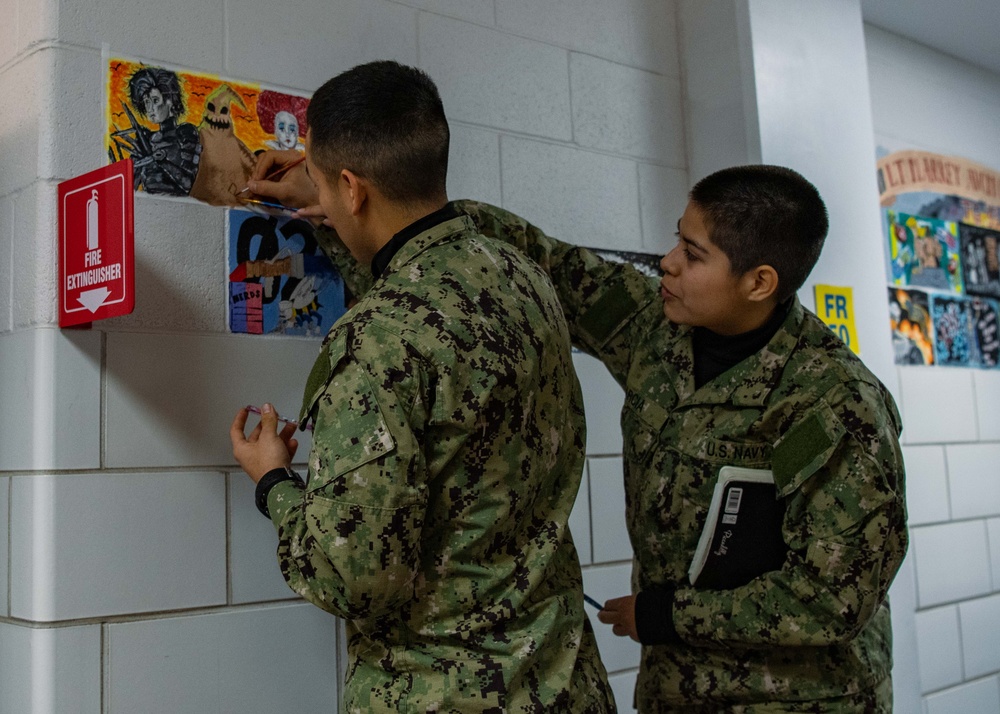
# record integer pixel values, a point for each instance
(967, 29)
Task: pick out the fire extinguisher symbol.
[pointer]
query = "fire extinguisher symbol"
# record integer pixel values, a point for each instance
(93, 222)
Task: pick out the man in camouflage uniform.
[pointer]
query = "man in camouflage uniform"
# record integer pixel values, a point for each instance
(722, 366)
(448, 436)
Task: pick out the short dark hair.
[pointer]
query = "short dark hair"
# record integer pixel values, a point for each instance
(385, 122)
(764, 215)
(164, 80)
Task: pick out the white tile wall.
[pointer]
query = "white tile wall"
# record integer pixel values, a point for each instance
(474, 164)
(611, 542)
(478, 11)
(584, 198)
(170, 399)
(253, 542)
(618, 31)
(980, 633)
(927, 417)
(247, 661)
(623, 687)
(952, 562)
(603, 583)
(4, 550)
(987, 386)
(973, 480)
(317, 40)
(926, 485)
(602, 400)
(662, 200)
(50, 670)
(177, 293)
(939, 648)
(993, 529)
(89, 545)
(580, 522)
(626, 111)
(50, 387)
(6, 259)
(33, 267)
(495, 79)
(22, 79)
(183, 32)
(980, 697)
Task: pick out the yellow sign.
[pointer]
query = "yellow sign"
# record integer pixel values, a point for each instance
(835, 307)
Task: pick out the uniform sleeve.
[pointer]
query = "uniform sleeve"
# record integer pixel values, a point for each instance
(840, 471)
(609, 306)
(349, 540)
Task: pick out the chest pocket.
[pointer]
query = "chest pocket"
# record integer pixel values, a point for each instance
(642, 422)
(350, 429)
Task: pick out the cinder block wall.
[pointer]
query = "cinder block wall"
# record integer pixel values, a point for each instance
(951, 417)
(135, 574)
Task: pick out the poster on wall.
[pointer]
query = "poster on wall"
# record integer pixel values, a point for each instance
(280, 282)
(954, 342)
(941, 220)
(192, 134)
(986, 330)
(980, 260)
(912, 328)
(924, 252)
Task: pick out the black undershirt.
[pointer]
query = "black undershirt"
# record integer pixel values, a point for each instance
(385, 254)
(715, 353)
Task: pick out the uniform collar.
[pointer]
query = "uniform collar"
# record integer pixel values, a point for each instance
(747, 384)
(386, 253)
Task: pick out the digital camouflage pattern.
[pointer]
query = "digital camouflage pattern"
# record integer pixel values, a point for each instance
(447, 454)
(816, 634)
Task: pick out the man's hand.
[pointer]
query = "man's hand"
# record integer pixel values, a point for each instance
(292, 188)
(620, 612)
(266, 448)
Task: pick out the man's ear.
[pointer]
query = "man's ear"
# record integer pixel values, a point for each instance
(761, 283)
(354, 191)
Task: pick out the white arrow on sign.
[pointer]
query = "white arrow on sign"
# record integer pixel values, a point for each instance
(93, 299)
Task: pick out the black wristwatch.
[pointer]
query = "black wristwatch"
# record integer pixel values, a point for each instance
(268, 481)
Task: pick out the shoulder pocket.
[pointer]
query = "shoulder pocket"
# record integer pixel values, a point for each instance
(806, 447)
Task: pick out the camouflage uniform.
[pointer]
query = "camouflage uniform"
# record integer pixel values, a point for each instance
(815, 634)
(447, 453)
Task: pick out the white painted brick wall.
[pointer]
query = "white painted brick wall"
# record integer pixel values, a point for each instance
(170, 399)
(611, 541)
(311, 43)
(269, 659)
(952, 562)
(6, 261)
(980, 652)
(50, 388)
(956, 411)
(580, 197)
(4, 549)
(928, 417)
(93, 545)
(50, 670)
(637, 33)
(926, 485)
(940, 648)
(495, 79)
(974, 480)
(33, 267)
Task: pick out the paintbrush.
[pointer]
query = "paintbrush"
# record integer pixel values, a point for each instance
(277, 172)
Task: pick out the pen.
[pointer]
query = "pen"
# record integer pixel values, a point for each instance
(266, 204)
(592, 601)
(256, 410)
(277, 172)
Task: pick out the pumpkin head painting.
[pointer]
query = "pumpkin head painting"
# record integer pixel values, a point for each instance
(226, 162)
